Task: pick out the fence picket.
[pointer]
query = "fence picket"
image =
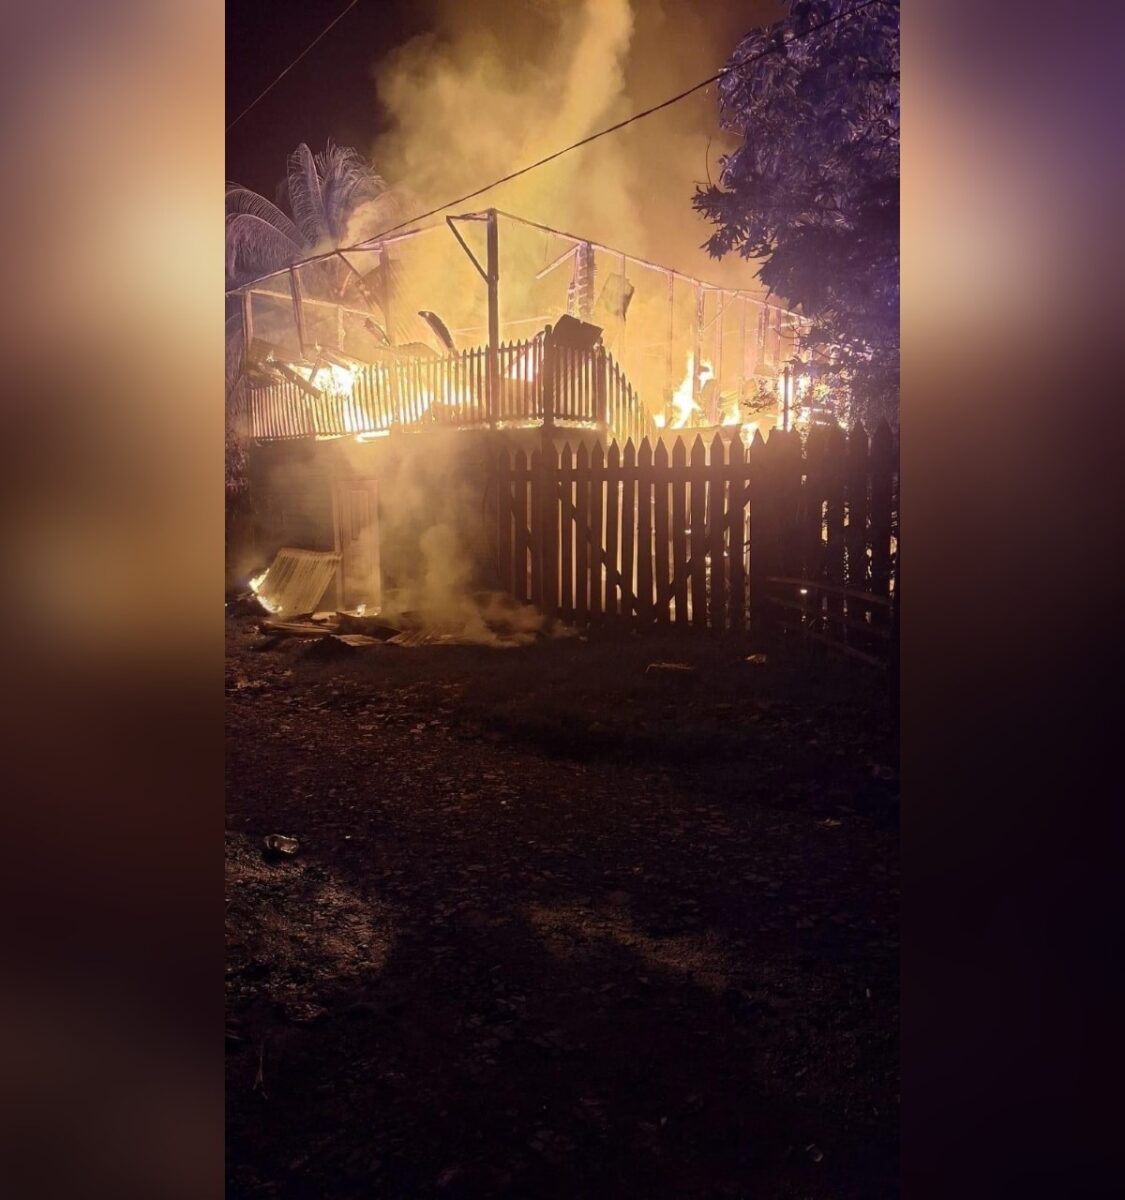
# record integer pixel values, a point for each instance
(566, 485)
(628, 527)
(679, 532)
(520, 539)
(660, 482)
(644, 532)
(549, 528)
(716, 486)
(504, 521)
(736, 534)
(581, 535)
(537, 530)
(698, 533)
(597, 533)
(612, 519)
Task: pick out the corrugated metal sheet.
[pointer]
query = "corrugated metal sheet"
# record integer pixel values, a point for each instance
(296, 580)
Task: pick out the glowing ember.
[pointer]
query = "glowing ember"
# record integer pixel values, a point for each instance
(683, 404)
(255, 584)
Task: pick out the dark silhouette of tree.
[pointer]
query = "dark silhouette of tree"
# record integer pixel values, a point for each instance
(813, 191)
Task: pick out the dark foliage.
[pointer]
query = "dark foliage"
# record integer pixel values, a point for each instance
(813, 191)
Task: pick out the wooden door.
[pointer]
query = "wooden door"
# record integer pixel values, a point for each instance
(357, 540)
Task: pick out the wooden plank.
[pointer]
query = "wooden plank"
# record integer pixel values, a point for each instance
(736, 532)
(566, 485)
(520, 541)
(834, 551)
(661, 477)
(537, 531)
(644, 532)
(581, 536)
(698, 534)
(597, 544)
(504, 521)
(716, 534)
(549, 526)
(612, 519)
(679, 531)
(628, 524)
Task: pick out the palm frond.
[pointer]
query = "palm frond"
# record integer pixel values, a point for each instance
(242, 200)
(255, 247)
(347, 181)
(306, 200)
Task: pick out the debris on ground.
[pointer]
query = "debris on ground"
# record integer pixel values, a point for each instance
(279, 846)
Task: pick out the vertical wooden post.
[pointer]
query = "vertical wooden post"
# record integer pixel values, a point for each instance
(761, 531)
(696, 336)
(698, 534)
(520, 540)
(566, 481)
(612, 517)
(644, 532)
(628, 526)
(298, 308)
(679, 531)
(736, 534)
(493, 281)
(504, 521)
(716, 534)
(601, 388)
(597, 537)
(548, 484)
(247, 327)
(660, 478)
(581, 535)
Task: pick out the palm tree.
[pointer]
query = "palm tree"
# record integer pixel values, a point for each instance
(335, 198)
(326, 193)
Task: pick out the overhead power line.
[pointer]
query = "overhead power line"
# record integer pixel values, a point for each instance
(291, 65)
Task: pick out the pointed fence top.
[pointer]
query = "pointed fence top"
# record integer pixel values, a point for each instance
(644, 455)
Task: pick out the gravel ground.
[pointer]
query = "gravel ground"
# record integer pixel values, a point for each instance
(560, 926)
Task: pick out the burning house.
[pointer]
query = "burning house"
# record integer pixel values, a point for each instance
(379, 383)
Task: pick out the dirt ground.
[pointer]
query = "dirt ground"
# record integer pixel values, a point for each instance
(560, 926)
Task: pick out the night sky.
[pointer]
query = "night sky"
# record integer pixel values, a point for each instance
(328, 94)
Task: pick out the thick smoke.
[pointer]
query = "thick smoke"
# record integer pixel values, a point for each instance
(496, 85)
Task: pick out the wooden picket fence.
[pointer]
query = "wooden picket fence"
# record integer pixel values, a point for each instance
(583, 388)
(706, 537)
